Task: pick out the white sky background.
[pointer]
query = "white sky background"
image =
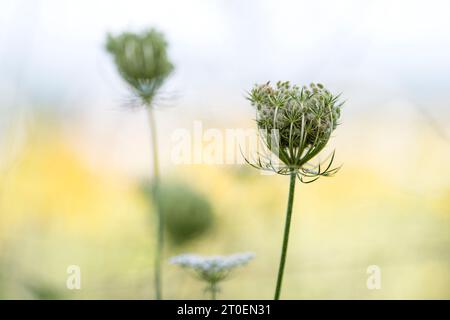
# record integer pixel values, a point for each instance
(388, 57)
(371, 50)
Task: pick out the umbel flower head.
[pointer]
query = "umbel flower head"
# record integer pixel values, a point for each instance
(142, 61)
(295, 124)
(213, 269)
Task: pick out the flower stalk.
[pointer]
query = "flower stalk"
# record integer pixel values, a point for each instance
(287, 227)
(295, 125)
(160, 217)
(214, 289)
(142, 61)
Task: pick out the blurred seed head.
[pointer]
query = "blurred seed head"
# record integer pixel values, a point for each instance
(187, 213)
(142, 61)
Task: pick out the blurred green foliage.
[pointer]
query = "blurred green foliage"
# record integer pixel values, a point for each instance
(43, 291)
(187, 213)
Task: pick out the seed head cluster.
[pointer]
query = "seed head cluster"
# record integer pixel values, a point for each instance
(142, 61)
(303, 119)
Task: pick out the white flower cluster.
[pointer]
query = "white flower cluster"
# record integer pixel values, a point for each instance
(212, 268)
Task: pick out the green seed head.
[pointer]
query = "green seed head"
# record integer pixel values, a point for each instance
(303, 120)
(141, 60)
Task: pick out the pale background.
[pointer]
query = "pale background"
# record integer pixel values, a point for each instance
(71, 154)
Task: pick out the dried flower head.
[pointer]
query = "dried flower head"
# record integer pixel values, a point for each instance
(213, 269)
(142, 61)
(295, 124)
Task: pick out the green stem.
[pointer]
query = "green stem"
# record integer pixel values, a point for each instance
(214, 290)
(287, 227)
(160, 222)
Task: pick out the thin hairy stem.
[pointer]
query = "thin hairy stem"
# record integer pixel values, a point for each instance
(287, 227)
(159, 224)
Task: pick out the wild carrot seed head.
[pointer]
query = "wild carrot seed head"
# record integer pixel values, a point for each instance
(302, 120)
(141, 60)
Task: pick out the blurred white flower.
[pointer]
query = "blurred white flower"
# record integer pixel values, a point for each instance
(212, 269)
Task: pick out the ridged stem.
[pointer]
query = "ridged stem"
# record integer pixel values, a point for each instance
(287, 227)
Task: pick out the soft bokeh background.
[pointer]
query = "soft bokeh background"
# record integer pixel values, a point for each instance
(72, 157)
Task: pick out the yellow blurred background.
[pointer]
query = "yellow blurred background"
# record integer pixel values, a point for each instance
(388, 208)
